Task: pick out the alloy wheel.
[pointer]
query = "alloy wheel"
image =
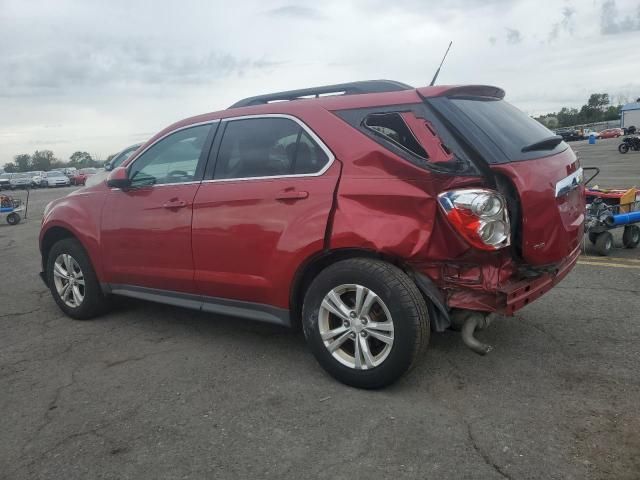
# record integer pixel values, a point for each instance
(356, 326)
(68, 280)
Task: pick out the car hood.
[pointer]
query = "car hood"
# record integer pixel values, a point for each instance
(96, 178)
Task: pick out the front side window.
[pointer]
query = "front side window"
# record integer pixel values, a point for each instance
(174, 159)
(267, 147)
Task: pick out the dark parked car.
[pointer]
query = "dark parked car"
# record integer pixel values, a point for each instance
(5, 181)
(372, 217)
(570, 134)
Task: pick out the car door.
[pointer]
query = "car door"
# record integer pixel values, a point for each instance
(263, 210)
(146, 229)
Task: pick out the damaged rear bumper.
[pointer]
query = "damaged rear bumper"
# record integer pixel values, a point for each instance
(494, 288)
(521, 294)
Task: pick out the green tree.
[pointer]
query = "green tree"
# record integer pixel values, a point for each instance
(42, 159)
(10, 167)
(22, 162)
(598, 101)
(81, 160)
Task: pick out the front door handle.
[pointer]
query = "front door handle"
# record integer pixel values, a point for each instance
(174, 203)
(292, 195)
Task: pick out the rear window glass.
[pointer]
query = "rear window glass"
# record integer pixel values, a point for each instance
(509, 128)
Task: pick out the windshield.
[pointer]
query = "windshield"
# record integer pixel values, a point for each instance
(124, 155)
(5, 175)
(55, 174)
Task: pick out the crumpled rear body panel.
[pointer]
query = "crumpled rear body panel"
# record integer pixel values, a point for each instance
(386, 205)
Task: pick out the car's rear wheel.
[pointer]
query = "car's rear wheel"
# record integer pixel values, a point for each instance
(73, 282)
(365, 321)
(623, 148)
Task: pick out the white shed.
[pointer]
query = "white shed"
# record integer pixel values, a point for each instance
(631, 115)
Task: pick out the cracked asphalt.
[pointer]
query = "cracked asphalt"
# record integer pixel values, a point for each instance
(154, 392)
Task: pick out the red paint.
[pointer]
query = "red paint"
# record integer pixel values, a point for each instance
(552, 227)
(247, 240)
(146, 242)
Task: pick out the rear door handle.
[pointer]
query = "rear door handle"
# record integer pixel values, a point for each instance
(292, 195)
(175, 203)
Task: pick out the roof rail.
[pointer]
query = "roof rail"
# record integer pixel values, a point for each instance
(353, 88)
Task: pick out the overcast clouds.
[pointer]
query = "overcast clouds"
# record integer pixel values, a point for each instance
(98, 76)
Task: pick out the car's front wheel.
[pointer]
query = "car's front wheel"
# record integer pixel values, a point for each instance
(73, 282)
(365, 321)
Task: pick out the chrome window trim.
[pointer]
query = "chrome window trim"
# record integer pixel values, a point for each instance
(330, 156)
(193, 182)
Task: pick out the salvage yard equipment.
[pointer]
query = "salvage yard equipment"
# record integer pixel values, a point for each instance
(13, 208)
(610, 209)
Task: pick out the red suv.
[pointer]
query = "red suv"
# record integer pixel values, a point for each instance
(371, 212)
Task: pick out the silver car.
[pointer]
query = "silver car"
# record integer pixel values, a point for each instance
(56, 178)
(20, 180)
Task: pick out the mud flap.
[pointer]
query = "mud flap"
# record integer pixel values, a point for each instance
(438, 311)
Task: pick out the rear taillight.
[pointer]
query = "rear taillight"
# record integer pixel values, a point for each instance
(479, 215)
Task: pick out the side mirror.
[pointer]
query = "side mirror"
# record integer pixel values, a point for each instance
(108, 167)
(119, 178)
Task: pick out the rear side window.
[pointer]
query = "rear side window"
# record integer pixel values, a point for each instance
(509, 128)
(392, 128)
(267, 147)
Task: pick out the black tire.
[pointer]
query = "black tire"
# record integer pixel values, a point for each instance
(604, 243)
(94, 303)
(13, 219)
(403, 301)
(623, 148)
(593, 237)
(631, 236)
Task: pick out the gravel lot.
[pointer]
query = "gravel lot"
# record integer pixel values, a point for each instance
(151, 392)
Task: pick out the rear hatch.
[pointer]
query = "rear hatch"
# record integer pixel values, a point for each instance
(542, 170)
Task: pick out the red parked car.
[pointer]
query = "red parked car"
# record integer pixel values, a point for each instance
(372, 217)
(611, 133)
(79, 177)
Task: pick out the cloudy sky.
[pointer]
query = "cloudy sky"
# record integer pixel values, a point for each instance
(98, 76)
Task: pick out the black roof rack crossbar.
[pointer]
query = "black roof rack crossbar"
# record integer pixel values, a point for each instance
(353, 88)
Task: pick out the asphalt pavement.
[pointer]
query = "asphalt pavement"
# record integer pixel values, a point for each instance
(154, 392)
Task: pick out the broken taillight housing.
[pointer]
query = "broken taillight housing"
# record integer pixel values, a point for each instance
(479, 215)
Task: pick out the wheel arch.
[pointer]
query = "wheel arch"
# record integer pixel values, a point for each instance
(314, 265)
(50, 237)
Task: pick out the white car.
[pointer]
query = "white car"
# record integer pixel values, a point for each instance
(56, 178)
(38, 179)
